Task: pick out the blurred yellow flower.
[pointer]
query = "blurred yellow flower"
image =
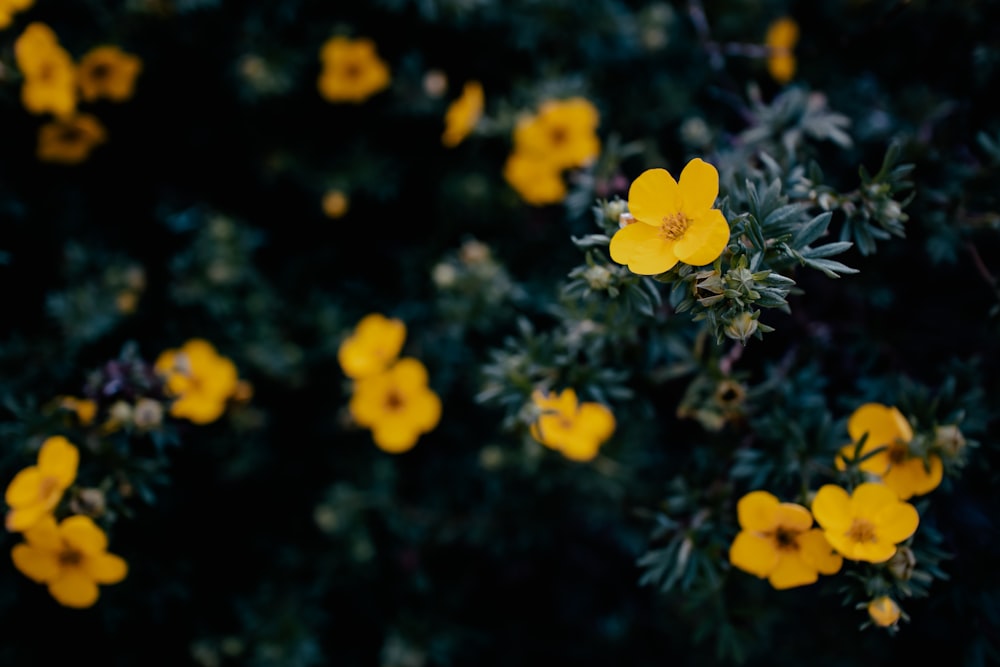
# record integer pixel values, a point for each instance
(351, 70)
(778, 541)
(200, 380)
(575, 429)
(884, 611)
(36, 490)
(70, 140)
(10, 7)
(71, 558)
(396, 404)
(563, 132)
(535, 179)
(374, 344)
(898, 469)
(49, 73)
(335, 203)
(673, 221)
(867, 524)
(782, 36)
(84, 408)
(108, 72)
(462, 115)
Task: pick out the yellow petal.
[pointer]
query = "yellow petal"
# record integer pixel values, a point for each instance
(793, 517)
(36, 564)
(896, 522)
(425, 410)
(22, 518)
(872, 552)
(58, 458)
(74, 589)
(699, 186)
(394, 436)
(792, 571)
(704, 240)
(910, 478)
(832, 508)
(581, 448)
(408, 373)
(882, 423)
(595, 420)
(870, 498)
(81, 533)
(754, 554)
(105, 568)
(758, 511)
(653, 196)
(44, 534)
(816, 551)
(25, 488)
(642, 248)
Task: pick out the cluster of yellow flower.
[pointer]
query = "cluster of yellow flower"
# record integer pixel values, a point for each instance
(391, 396)
(575, 429)
(782, 36)
(777, 540)
(54, 84)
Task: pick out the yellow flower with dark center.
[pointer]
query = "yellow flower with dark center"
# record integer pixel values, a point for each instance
(575, 429)
(71, 558)
(108, 72)
(867, 524)
(375, 344)
(36, 490)
(396, 404)
(673, 221)
(563, 133)
(49, 73)
(534, 178)
(71, 139)
(782, 36)
(778, 541)
(898, 468)
(200, 380)
(10, 7)
(461, 116)
(884, 611)
(351, 70)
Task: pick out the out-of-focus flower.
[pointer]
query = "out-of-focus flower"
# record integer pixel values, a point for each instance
(397, 405)
(677, 220)
(10, 7)
(867, 524)
(70, 140)
(374, 344)
(462, 115)
(778, 541)
(352, 70)
(782, 36)
(335, 203)
(108, 72)
(887, 429)
(200, 380)
(36, 490)
(85, 409)
(49, 73)
(435, 83)
(884, 611)
(535, 179)
(575, 429)
(70, 557)
(564, 132)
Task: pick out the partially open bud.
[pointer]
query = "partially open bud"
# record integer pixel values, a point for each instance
(884, 611)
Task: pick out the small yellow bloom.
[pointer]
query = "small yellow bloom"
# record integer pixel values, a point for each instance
(108, 72)
(36, 490)
(884, 611)
(778, 541)
(375, 344)
(84, 408)
(563, 132)
(335, 203)
(898, 469)
(351, 70)
(782, 36)
(866, 525)
(674, 221)
(70, 140)
(201, 380)
(49, 73)
(577, 430)
(396, 404)
(71, 558)
(462, 115)
(535, 179)
(10, 7)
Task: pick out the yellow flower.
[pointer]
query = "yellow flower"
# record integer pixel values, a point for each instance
(396, 404)
(200, 379)
(36, 490)
(10, 7)
(108, 72)
(71, 558)
(576, 429)
(673, 221)
(375, 343)
(563, 132)
(462, 115)
(351, 70)
(84, 408)
(782, 35)
(70, 140)
(49, 73)
(778, 541)
(335, 203)
(866, 525)
(895, 465)
(535, 179)
(884, 611)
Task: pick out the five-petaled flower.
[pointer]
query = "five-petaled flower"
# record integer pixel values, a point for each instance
(352, 70)
(70, 139)
(108, 72)
(396, 404)
(884, 611)
(36, 490)
(575, 429)
(49, 72)
(887, 430)
(461, 116)
(200, 380)
(867, 524)
(71, 558)
(778, 541)
(375, 344)
(673, 221)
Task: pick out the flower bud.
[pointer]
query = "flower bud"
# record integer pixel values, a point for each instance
(741, 327)
(949, 440)
(902, 563)
(597, 277)
(884, 611)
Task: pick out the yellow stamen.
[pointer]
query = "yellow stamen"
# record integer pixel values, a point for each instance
(862, 530)
(674, 226)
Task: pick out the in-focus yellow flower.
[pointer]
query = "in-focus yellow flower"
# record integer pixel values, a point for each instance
(897, 467)
(884, 611)
(563, 132)
(335, 203)
(70, 139)
(778, 541)
(351, 70)
(867, 524)
(462, 115)
(49, 73)
(575, 429)
(673, 221)
(396, 404)
(71, 558)
(10, 7)
(36, 490)
(782, 36)
(534, 178)
(375, 344)
(200, 379)
(108, 72)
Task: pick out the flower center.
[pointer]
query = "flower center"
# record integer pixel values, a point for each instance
(101, 71)
(862, 530)
(674, 225)
(785, 539)
(70, 557)
(352, 71)
(393, 401)
(898, 453)
(558, 136)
